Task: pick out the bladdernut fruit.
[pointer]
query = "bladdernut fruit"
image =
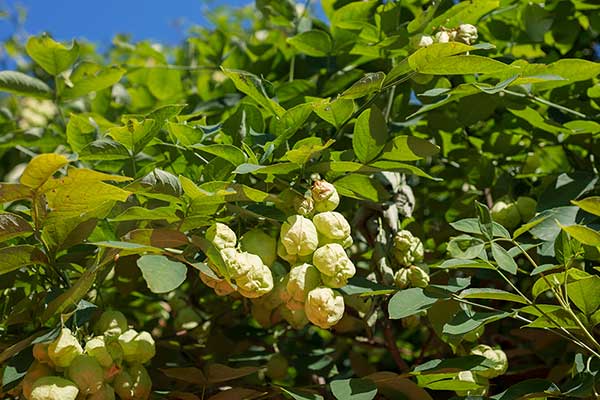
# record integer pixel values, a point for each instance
(221, 236)
(325, 196)
(63, 350)
(53, 388)
(299, 236)
(324, 307)
(86, 373)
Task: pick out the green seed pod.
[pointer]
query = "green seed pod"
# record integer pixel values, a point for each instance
(137, 347)
(86, 373)
(53, 388)
(259, 243)
(64, 349)
(40, 353)
(408, 249)
(256, 282)
(302, 279)
(401, 278)
(237, 263)
(526, 207)
(36, 371)
(277, 367)
(497, 357)
(324, 307)
(332, 225)
(418, 277)
(111, 323)
(325, 196)
(344, 270)
(221, 236)
(133, 383)
(106, 392)
(331, 260)
(299, 236)
(296, 318)
(96, 347)
(469, 376)
(304, 206)
(506, 213)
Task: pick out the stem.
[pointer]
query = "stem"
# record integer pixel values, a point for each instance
(292, 67)
(546, 102)
(393, 348)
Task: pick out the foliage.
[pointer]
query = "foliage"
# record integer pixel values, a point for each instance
(467, 169)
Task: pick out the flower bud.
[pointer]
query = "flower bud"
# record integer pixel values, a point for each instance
(332, 225)
(302, 279)
(96, 347)
(296, 318)
(106, 392)
(40, 353)
(133, 383)
(401, 278)
(466, 34)
(325, 196)
(506, 213)
(137, 347)
(526, 207)
(418, 277)
(299, 236)
(421, 41)
(63, 350)
(111, 323)
(442, 37)
(324, 307)
(53, 388)
(221, 236)
(256, 282)
(36, 371)
(259, 243)
(497, 357)
(407, 249)
(86, 373)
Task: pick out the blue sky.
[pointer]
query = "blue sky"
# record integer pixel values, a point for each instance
(99, 21)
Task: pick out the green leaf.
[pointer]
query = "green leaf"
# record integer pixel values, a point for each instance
(134, 134)
(226, 151)
(315, 43)
(423, 18)
(583, 234)
(252, 86)
(463, 65)
(370, 134)
(24, 85)
(353, 389)
(409, 302)
(89, 77)
(409, 148)
(15, 257)
(585, 293)
(161, 274)
(491, 294)
(364, 287)
(553, 280)
(104, 150)
(12, 226)
(168, 214)
(273, 169)
(464, 13)
(362, 187)
(368, 84)
(589, 204)
(530, 225)
(52, 56)
(297, 394)
(465, 247)
(14, 191)
(464, 322)
(530, 388)
(486, 224)
(504, 260)
(582, 127)
(165, 83)
(430, 55)
(335, 112)
(471, 225)
(42, 167)
(306, 149)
